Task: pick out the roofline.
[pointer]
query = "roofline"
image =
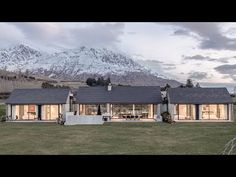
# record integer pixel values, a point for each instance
(13, 103)
(118, 102)
(200, 102)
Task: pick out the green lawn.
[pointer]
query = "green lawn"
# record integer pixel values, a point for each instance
(115, 138)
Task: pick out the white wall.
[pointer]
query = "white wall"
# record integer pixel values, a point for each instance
(200, 112)
(13, 112)
(231, 112)
(82, 119)
(8, 110)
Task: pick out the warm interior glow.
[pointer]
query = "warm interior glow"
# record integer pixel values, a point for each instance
(144, 111)
(91, 109)
(25, 112)
(185, 111)
(214, 111)
(50, 112)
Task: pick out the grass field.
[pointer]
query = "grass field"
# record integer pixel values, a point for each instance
(115, 138)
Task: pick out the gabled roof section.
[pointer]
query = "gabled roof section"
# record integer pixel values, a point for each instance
(199, 95)
(119, 95)
(38, 96)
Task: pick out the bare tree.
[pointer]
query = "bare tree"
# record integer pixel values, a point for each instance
(229, 147)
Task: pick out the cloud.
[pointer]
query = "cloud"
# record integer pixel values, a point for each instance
(182, 32)
(198, 75)
(169, 68)
(131, 32)
(198, 57)
(168, 64)
(228, 70)
(9, 34)
(39, 31)
(210, 35)
(98, 35)
(207, 58)
(72, 36)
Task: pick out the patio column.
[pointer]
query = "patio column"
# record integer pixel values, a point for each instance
(78, 109)
(158, 111)
(200, 112)
(109, 108)
(133, 109)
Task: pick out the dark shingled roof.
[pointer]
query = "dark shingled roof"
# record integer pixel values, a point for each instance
(119, 94)
(199, 95)
(38, 96)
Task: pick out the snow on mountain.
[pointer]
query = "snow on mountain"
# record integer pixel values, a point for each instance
(74, 63)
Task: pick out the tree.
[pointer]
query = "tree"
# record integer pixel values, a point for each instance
(167, 86)
(27, 73)
(91, 81)
(99, 110)
(189, 83)
(99, 81)
(182, 86)
(108, 80)
(198, 85)
(47, 85)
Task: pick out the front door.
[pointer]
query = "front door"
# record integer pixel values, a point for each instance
(197, 111)
(39, 112)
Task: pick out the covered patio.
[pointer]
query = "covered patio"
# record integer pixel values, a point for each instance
(121, 103)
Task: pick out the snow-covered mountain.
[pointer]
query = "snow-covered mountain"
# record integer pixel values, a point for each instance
(80, 63)
(18, 57)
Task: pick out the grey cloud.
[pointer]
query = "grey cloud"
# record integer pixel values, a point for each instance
(228, 70)
(131, 32)
(181, 32)
(92, 35)
(101, 35)
(198, 57)
(210, 35)
(169, 64)
(169, 68)
(206, 58)
(198, 75)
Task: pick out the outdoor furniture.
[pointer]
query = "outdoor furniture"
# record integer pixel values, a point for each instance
(106, 117)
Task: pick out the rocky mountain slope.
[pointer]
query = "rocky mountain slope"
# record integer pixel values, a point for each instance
(79, 64)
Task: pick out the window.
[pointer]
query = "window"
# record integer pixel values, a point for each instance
(142, 110)
(50, 112)
(25, 112)
(185, 111)
(92, 109)
(214, 111)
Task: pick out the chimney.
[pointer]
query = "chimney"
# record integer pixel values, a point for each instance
(109, 87)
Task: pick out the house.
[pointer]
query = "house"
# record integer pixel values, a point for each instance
(200, 104)
(38, 104)
(120, 102)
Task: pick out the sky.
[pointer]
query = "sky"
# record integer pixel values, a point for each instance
(204, 52)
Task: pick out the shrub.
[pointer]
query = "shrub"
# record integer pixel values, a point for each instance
(166, 117)
(2, 118)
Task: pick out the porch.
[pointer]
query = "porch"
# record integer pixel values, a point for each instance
(32, 121)
(132, 120)
(121, 112)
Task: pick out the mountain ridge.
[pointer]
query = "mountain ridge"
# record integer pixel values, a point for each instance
(81, 63)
